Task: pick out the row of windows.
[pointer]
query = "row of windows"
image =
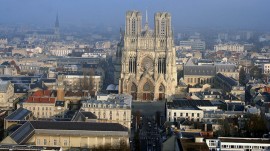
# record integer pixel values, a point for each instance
(55, 142)
(200, 80)
(187, 114)
(44, 114)
(101, 105)
(104, 115)
(246, 147)
(192, 119)
(41, 108)
(226, 70)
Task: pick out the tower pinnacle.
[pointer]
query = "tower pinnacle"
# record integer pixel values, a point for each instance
(56, 27)
(56, 21)
(146, 20)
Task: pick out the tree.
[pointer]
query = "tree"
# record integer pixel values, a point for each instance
(91, 84)
(180, 74)
(255, 126)
(242, 77)
(256, 72)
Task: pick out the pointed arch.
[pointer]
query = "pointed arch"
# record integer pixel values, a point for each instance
(133, 90)
(161, 91)
(161, 88)
(133, 87)
(148, 87)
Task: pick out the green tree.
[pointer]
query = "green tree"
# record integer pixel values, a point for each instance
(256, 72)
(242, 77)
(180, 74)
(255, 126)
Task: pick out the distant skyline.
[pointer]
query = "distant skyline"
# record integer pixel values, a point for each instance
(246, 14)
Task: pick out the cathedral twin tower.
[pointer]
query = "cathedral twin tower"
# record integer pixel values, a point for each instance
(145, 61)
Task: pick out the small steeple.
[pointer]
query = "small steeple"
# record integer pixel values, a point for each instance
(56, 27)
(146, 20)
(56, 21)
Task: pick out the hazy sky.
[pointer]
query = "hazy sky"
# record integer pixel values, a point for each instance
(185, 13)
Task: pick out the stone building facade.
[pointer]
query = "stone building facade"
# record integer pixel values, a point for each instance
(145, 58)
(116, 109)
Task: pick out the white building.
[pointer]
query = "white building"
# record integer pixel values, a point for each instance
(75, 82)
(239, 144)
(188, 109)
(195, 44)
(61, 51)
(36, 50)
(266, 68)
(96, 54)
(115, 109)
(230, 47)
(6, 95)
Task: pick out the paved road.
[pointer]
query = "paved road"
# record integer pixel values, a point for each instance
(148, 108)
(149, 137)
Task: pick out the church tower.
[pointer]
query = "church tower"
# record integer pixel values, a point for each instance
(60, 88)
(133, 23)
(147, 68)
(56, 27)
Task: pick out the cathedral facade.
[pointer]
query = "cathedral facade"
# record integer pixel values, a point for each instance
(145, 61)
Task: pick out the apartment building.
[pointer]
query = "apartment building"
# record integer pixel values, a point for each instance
(115, 109)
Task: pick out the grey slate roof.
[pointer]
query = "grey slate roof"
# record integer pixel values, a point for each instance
(225, 67)
(182, 103)
(89, 115)
(229, 80)
(27, 130)
(82, 116)
(18, 114)
(4, 86)
(78, 126)
(22, 134)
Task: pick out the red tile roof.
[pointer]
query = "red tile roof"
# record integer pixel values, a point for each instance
(33, 99)
(42, 93)
(41, 96)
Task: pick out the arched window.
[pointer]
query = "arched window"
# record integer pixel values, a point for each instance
(161, 88)
(133, 88)
(146, 86)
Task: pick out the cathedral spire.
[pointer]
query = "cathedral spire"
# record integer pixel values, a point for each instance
(56, 21)
(146, 20)
(56, 27)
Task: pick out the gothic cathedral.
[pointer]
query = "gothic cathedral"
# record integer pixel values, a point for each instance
(145, 60)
